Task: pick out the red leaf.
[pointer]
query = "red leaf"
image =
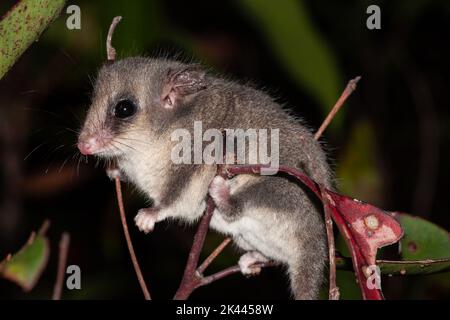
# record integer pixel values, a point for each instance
(365, 229)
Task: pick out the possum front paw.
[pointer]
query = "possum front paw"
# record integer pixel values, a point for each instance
(219, 191)
(247, 263)
(146, 218)
(113, 172)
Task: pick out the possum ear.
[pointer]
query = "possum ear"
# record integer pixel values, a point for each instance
(181, 83)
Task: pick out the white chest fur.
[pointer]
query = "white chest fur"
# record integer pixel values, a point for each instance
(148, 171)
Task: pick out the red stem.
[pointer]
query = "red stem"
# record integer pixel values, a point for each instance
(213, 255)
(333, 292)
(123, 219)
(62, 261)
(191, 277)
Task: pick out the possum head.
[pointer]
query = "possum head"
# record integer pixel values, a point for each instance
(136, 101)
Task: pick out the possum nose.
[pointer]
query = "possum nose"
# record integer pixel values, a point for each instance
(88, 146)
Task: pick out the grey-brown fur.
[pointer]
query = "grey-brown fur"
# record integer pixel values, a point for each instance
(282, 221)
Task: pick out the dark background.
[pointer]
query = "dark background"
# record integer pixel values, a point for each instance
(388, 145)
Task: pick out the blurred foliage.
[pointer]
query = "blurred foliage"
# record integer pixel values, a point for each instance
(300, 48)
(25, 267)
(22, 25)
(357, 169)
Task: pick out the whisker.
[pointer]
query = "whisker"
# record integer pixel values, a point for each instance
(57, 148)
(126, 145)
(77, 132)
(63, 164)
(137, 140)
(116, 147)
(32, 151)
(78, 165)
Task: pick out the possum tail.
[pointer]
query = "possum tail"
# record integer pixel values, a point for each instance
(306, 272)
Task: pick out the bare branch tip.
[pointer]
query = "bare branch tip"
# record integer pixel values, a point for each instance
(62, 262)
(110, 51)
(44, 228)
(353, 83)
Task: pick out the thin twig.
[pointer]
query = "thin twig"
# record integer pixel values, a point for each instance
(351, 86)
(44, 228)
(213, 255)
(190, 276)
(62, 262)
(232, 270)
(111, 56)
(221, 170)
(193, 276)
(110, 51)
(333, 293)
(137, 269)
(219, 275)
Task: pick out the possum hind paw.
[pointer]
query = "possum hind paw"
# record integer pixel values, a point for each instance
(219, 190)
(247, 263)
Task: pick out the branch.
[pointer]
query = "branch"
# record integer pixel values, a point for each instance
(351, 86)
(44, 228)
(231, 270)
(333, 292)
(213, 255)
(137, 269)
(402, 267)
(191, 277)
(113, 173)
(110, 51)
(62, 262)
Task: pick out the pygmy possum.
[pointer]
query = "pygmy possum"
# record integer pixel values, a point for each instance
(138, 102)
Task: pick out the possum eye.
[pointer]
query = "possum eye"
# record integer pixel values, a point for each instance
(124, 109)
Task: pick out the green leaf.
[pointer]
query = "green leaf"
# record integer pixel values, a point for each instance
(25, 267)
(423, 239)
(298, 46)
(22, 25)
(425, 249)
(402, 268)
(409, 267)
